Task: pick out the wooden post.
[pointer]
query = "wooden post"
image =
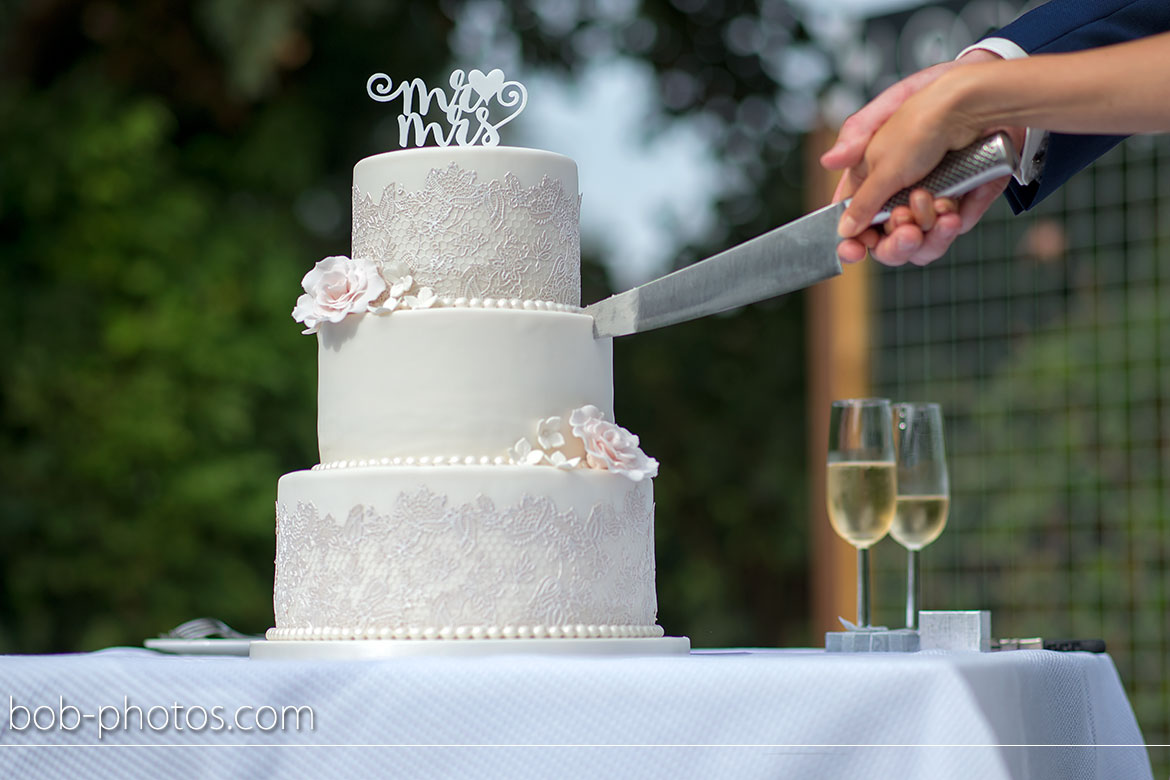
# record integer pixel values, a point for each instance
(837, 328)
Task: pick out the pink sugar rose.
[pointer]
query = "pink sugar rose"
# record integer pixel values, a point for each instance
(337, 286)
(609, 446)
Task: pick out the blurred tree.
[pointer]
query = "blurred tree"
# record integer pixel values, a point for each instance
(1074, 518)
(171, 172)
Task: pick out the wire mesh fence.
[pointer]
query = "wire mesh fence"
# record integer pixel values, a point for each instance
(1046, 338)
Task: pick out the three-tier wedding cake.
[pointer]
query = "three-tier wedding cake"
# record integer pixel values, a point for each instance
(473, 484)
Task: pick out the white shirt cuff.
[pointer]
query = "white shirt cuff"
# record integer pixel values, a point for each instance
(1035, 140)
(1009, 50)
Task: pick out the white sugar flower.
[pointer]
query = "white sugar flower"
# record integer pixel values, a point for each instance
(336, 287)
(609, 446)
(425, 299)
(559, 460)
(548, 433)
(398, 277)
(522, 453)
(387, 305)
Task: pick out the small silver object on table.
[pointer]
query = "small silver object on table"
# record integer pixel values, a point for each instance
(871, 639)
(965, 630)
(202, 636)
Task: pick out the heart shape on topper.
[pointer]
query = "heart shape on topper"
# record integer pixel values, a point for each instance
(488, 85)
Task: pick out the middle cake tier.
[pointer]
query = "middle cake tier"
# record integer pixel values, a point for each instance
(454, 385)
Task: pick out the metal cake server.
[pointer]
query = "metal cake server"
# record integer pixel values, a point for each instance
(790, 257)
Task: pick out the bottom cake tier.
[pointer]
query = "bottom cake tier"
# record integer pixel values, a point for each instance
(463, 552)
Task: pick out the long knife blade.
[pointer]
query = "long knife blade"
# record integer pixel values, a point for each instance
(790, 257)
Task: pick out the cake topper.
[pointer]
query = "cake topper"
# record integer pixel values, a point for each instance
(470, 99)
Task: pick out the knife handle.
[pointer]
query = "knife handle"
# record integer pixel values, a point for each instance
(961, 171)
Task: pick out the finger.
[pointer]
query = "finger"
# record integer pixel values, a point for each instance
(850, 180)
(938, 239)
(922, 208)
(854, 136)
(851, 251)
(856, 131)
(906, 240)
(867, 200)
(844, 190)
(946, 206)
(901, 215)
(898, 247)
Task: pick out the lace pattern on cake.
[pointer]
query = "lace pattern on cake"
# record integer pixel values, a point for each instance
(463, 238)
(429, 565)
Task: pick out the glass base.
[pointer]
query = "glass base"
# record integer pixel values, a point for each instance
(875, 640)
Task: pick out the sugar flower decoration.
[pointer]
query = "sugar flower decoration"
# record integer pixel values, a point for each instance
(425, 299)
(548, 433)
(336, 287)
(397, 275)
(549, 437)
(401, 290)
(609, 446)
(522, 453)
(397, 280)
(561, 461)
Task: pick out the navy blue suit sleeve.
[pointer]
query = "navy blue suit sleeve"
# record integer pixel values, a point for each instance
(1072, 25)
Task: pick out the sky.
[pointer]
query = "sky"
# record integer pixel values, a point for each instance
(641, 199)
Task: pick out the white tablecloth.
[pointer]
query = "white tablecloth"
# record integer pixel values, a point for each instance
(742, 714)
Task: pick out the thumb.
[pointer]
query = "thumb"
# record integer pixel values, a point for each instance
(871, 194)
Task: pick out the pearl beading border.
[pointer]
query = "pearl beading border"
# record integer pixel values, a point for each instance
(579, 631)
(439, 460)
(505, 303)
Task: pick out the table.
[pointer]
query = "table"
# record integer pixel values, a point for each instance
(743, 714)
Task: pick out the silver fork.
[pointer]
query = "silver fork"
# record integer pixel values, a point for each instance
(204, 628)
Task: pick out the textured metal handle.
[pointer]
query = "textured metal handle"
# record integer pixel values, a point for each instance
(961, 171)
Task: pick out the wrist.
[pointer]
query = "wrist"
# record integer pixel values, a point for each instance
(1028, 142)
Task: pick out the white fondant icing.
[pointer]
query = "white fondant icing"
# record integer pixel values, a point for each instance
(461, 381)
(409, 168)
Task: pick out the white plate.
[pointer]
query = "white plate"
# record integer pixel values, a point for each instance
(200, 646)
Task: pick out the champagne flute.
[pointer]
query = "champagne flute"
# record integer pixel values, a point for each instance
(860, 481)
(924, 492)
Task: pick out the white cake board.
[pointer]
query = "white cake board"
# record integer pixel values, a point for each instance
(340, 649)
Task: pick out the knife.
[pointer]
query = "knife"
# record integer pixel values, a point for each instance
(790, 257)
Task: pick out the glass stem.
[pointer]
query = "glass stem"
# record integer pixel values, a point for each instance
(863, 587)
(913, 588)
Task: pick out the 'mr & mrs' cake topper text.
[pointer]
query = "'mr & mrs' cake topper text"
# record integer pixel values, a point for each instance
(467, 107)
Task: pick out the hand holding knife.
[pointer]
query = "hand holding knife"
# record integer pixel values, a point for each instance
(790, 257)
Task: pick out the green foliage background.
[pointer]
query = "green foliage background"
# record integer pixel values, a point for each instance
(158, 160)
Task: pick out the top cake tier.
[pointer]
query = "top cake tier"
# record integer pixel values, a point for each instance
(473, 222)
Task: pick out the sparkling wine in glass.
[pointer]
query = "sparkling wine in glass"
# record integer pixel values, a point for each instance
(924, 493)
(860, 481)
